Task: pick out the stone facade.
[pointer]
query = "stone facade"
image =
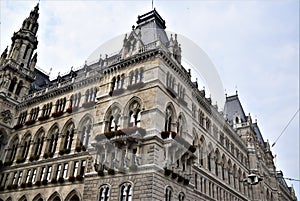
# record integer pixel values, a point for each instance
(132, 126)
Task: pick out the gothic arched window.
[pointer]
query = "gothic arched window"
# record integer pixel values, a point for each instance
(52, 140)
(168, 194)
(126, 192)
(68, 136)
(38, 143)
(86, 132)
(13, 147)
(134, 114)
(12, 84)
(112, 119)
(181, 196)
(25, 146)
(104, 193)
(19, 87)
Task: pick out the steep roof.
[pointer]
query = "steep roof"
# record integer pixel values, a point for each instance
(258, 134)
(232, 108)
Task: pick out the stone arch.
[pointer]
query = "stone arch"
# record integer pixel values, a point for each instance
(23, 198)
(132, 111)
(38, 142)
(12, 149)
(112, 118)
(55, 197)
(125, 190)
(217, 161)
(73, 196)
(210, 157)
(3, 141)
(25, 144)
(223, 167)
(52, 139)
(202, 151)
(67, 135)
(170, 117)
(85, 130)
(229, 171)
(181, 125)
(38, 197)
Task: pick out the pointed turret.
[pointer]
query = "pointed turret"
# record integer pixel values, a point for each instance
(18, 64)
(24, 42)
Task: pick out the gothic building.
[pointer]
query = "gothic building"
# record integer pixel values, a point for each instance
(132, 126)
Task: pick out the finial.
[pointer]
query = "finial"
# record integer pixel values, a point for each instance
(133, 27)
(71, 68)
(50, 71)
(58, 74)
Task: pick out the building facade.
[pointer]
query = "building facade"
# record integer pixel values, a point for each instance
(132, 126)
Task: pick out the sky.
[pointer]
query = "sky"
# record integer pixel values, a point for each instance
(254, 46)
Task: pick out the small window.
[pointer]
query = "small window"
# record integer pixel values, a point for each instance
(168, 194)
(181, 196)
(75, 170)
(65, 172)
(49, 173)
(33, 176)
(58, 170)
(104, 193)
(126, 192)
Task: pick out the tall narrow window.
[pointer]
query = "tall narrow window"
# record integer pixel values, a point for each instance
(75, 169)
(19, 87)
(134, 114)
(86, 132)
(168, 120)
(49, 173)
(43, 173)
(82, 168)
(28, 175)
(126, 192)
(168, 194)
(209, 162)
(58, 170)
(181, 196)
(33, 175)
(104, 193)
(14, 178)
(65, 171)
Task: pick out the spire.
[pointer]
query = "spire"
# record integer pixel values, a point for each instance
(24, 42)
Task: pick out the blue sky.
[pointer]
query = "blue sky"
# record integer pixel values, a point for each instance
(253, 44)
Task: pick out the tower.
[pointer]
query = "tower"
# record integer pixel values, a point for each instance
(17, 65)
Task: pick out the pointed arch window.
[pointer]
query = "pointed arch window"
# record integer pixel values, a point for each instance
(38, 143)
(209, 161)
(126, 192)
(25, 146)
(134, 114)
(181, 196)
(12, 84)
(112, 118)
(86, 132)
(12, 149)
(19, 87)
(52, 140)
(104, 193)
(168, 119)
(68, 137)
(168, 194)
(22, 117)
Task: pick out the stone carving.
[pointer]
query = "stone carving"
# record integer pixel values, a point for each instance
(6, 116)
